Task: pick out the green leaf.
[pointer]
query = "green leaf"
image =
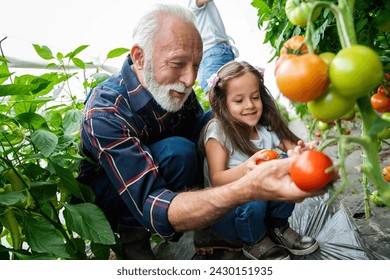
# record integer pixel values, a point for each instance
(79, 190)
(89, 222)
(43, 51)
(117, 52)
(17, 89)
(71, 122)
(31, 120)
(45, 141)
(78, 62)
(77, 51)
(12, 198)
(42, 237)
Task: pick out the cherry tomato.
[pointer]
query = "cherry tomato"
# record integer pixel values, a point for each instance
(298, 12)
(387, 76)
(355, 71)
(380, 102)
(271, 154)
(294, 45)
(318, 134)
(302, 78)
(308, 170)
(323, 125)
(386, 173)
(382, 91)
(330, 106)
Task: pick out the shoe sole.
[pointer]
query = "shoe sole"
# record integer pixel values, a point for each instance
(249, 256)
(210, 250)
(304, 252)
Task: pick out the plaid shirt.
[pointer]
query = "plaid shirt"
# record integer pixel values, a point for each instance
(120, 120)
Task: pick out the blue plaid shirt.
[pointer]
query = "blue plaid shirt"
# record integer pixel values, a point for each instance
(120, 120)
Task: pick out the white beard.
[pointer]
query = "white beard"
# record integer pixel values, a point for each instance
(161, 92)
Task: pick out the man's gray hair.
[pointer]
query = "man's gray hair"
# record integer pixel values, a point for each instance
(148, 25)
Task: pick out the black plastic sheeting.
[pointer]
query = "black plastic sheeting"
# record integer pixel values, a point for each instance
(334, 229)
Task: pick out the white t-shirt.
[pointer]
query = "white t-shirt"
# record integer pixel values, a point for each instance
(210, 24)
(267, 140)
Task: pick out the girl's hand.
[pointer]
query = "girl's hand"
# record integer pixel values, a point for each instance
(301, 147)
(251, 162)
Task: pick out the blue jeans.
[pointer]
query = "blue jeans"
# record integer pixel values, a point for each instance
(213, 59)
(249, 221)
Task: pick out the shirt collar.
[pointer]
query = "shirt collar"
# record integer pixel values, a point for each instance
(138, 95)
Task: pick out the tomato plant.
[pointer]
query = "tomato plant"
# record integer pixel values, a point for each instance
(380, 102)
(311, 170)
(302, 78)
(298, 11)
(355, 71)
(270, 154)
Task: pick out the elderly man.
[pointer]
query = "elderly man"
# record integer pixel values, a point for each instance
(140, 130)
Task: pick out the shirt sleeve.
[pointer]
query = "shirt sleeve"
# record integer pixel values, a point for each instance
(112, 139)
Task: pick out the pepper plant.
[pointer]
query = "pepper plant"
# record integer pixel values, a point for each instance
(39, 159)
(355, 34)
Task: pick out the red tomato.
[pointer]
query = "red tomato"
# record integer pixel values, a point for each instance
(301, 78)
(386, 173)
(380, 102)
(271, 154)
(382, 91)
(387, 76)
(308, 171)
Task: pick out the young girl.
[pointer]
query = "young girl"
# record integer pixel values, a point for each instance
(246, 122)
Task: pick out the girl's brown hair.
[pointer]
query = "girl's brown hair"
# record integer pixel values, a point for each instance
(238, 132)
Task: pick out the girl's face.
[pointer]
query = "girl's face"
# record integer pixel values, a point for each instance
(243, 99)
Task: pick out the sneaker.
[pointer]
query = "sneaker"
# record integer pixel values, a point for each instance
(205, 241)
(265, 249)
(291, 240)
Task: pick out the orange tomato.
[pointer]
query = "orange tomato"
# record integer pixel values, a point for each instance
(386, 173)
(271, 154)
(380, 102)
(302, 78)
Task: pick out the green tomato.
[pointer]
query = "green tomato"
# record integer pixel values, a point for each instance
(386, 116)
(355, 71)
(376, 199)
(298, 12)
(322, 125)
(330, 106)
(327, 57)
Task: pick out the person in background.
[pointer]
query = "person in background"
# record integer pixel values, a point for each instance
(218, 47)
(139, 136)
(246, 124)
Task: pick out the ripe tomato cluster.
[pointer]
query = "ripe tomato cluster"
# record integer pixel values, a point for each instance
(329, 83)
